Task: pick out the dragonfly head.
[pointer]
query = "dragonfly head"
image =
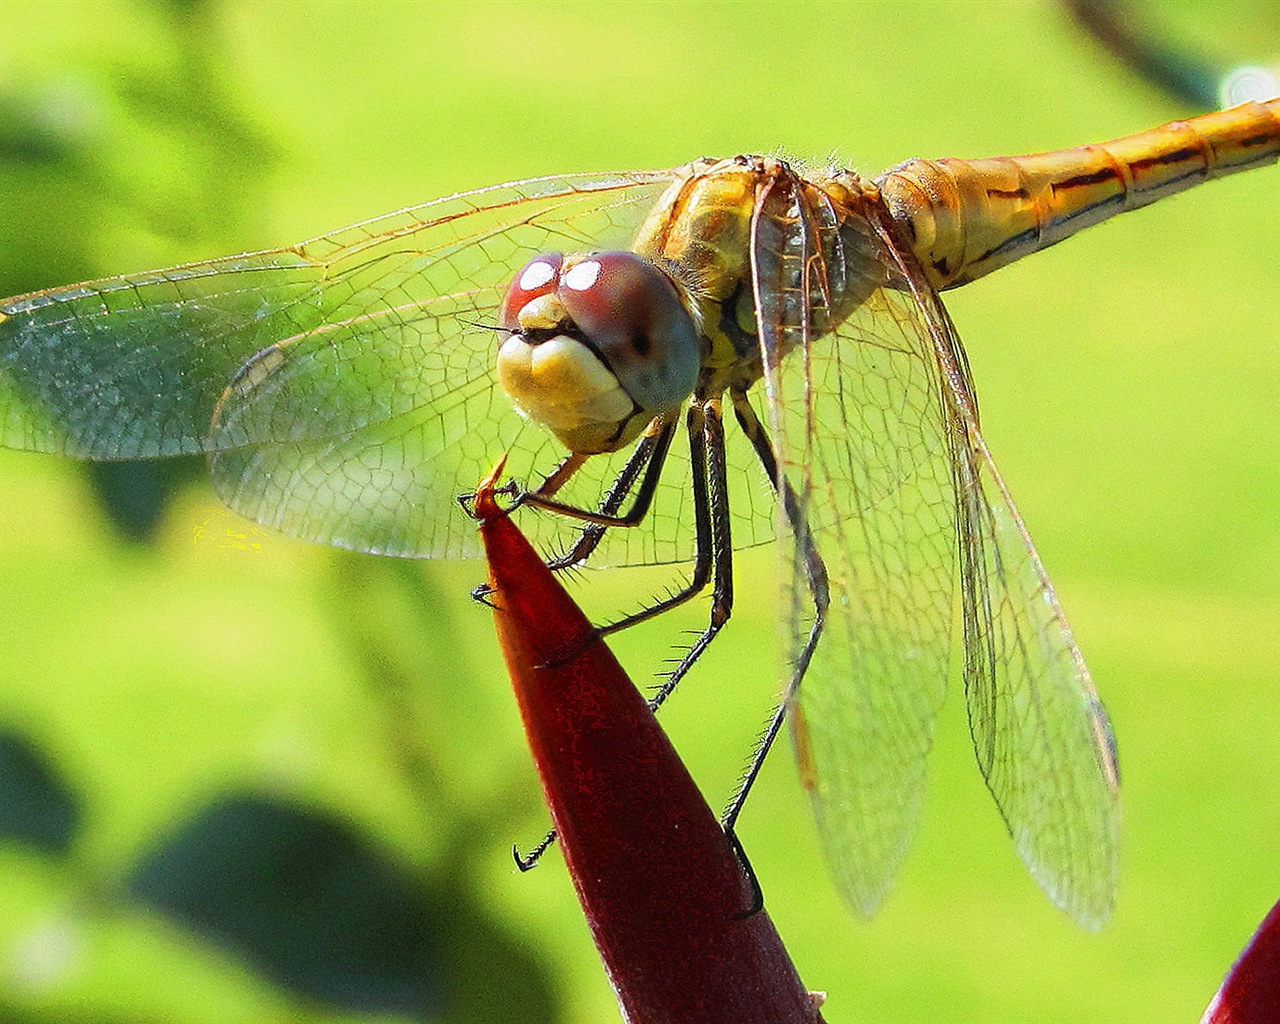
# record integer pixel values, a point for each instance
(596, 346)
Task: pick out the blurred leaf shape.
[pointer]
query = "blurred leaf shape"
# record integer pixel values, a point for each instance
(315, 906)
(321, 912)
(135, 493)
(37, 806)
(308, 900)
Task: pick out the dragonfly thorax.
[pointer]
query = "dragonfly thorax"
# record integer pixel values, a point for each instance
(751, 229)
(596, 346)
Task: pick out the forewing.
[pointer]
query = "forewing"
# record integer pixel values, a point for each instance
(1042, 737)
(858, 420)
(344, 387)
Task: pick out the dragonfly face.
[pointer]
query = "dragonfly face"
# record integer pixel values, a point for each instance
(599, 344)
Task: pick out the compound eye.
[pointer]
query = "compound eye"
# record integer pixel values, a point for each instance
(540, 276)
(630, 313)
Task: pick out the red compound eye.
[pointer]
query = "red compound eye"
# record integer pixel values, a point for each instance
(538, 277)
(631, 314)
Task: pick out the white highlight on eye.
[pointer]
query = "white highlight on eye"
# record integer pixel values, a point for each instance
(582, 276)
(536, 274)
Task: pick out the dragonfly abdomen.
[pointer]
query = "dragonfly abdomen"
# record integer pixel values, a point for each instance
(966, 218)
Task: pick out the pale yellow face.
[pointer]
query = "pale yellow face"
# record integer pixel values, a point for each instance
(598, 345)
(562, 385)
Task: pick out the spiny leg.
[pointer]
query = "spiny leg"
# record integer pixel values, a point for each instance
(715, 543)
(816, 577)
(713, 546)
(650, 455)
(651, 451)
(713, 559)
(715, 556)
(696, 424)
(529, 861)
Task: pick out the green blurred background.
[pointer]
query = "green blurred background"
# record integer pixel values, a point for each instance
(171, 701)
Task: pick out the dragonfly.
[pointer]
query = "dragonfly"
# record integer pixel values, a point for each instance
(786, 323)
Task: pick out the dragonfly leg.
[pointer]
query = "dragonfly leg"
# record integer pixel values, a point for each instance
(529, 861)
(650, 455)
(697, 428)
(756, 903)
(714, 542)
(816, 577)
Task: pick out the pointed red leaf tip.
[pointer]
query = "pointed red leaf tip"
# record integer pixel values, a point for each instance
(667, 900)
(1251, 992)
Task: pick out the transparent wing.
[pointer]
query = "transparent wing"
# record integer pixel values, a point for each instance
(882, 451)
(1041, 734)
(343, 387)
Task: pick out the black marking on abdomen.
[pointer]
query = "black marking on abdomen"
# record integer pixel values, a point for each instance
(1172, 157)
(1012, 242)
(1007, 193)
(1092, 178)
(1261, 139)
(1115, 199)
